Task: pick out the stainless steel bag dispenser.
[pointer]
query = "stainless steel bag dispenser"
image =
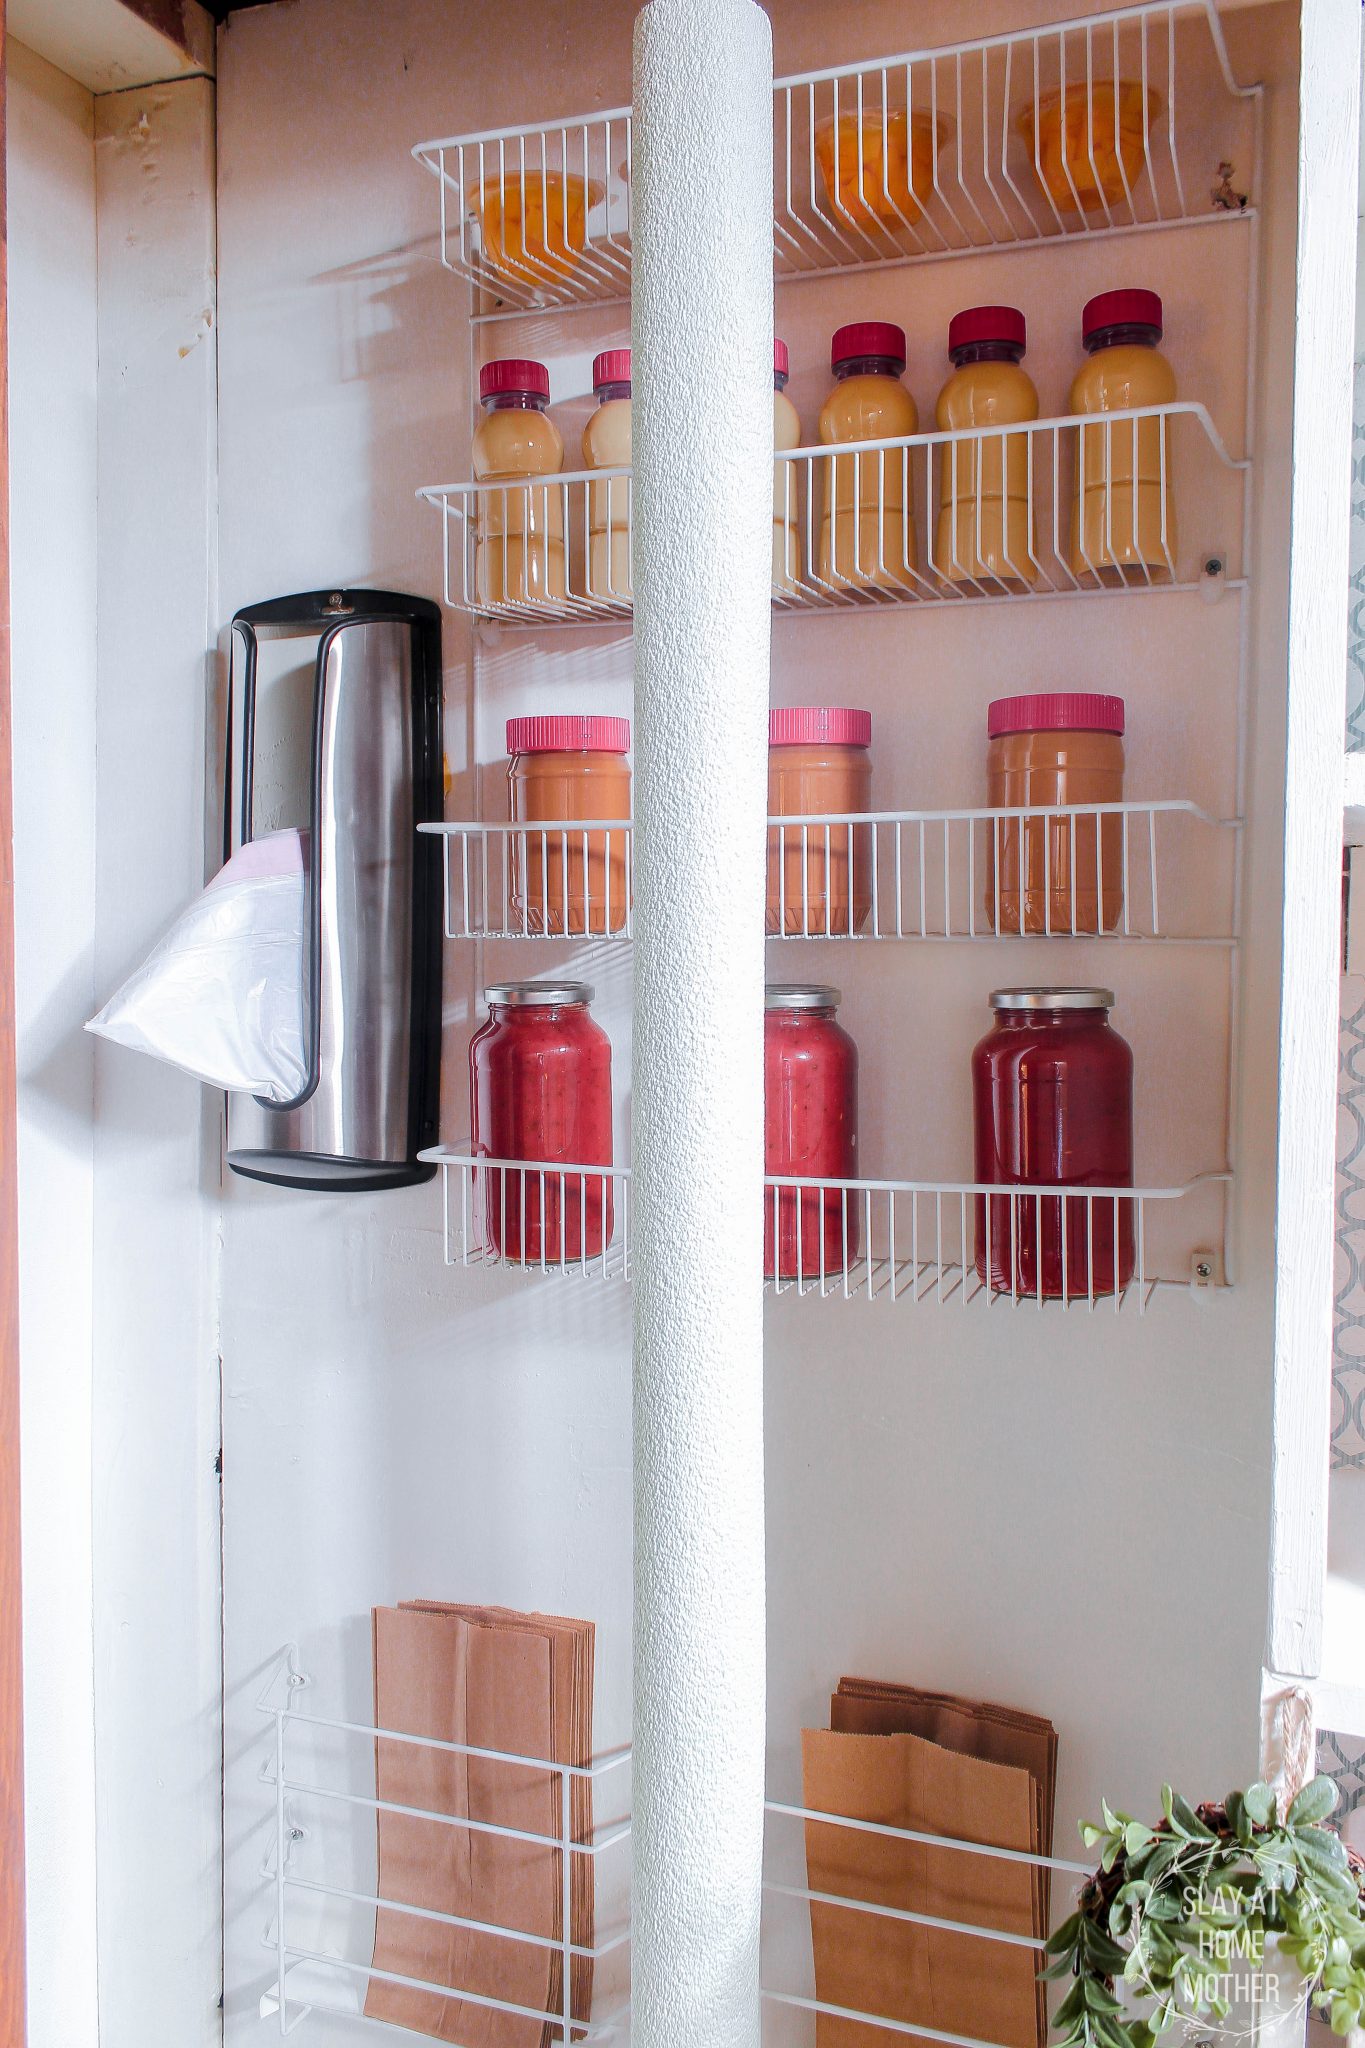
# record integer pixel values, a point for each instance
(334, 726)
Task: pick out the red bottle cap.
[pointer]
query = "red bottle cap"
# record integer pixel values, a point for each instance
(1131, 308)
(513, 373)
(568, 735)
(781, 360)
(987, 323)
(868, 338)
(803, 725)
(1059, 711)
(611, 367)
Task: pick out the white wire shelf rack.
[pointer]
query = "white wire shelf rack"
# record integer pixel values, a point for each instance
(791, 1967)
(538, 881)
(320, 1804)
(1142, 871)
(323, 1913)
(975, 514)
(918, 1243)
(1130, 120)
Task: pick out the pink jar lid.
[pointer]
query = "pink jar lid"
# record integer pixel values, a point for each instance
(1129, 308)
(987, 323)
(513, 373)
(781, 360)
(611, 367)
(565, 734)
(1058, 711)
(803, 725)
(867, 338)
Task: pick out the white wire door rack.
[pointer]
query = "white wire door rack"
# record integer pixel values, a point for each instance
(321, 1778)
(789, 1974)
(1085, 128)
(1065, 871)
(1048, 508)
(916, 1243)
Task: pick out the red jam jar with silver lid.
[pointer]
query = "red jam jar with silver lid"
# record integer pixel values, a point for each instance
(1052, 1090)
(563, 769)
(519, 555)
(540, 1089)
(1063, 874)
(810, 1128)
(819, 875)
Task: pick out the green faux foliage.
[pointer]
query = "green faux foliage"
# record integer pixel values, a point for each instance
(1174, 1910)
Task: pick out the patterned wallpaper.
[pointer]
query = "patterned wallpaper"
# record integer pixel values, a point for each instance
(1348, 1334)
(1355, 652)
(1343, 1757)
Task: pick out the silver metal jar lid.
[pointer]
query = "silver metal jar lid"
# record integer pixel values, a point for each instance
(1052, 999)
(805, 995)
(518, 995)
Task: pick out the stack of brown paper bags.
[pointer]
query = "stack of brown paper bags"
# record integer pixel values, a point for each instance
(944, 1766)
(494, 1679)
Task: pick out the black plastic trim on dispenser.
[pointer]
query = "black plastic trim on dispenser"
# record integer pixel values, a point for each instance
(373, 778)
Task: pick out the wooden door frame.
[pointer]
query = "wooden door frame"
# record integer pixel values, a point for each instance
(12, 1986)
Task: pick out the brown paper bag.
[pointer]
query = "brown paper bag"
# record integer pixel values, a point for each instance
(496, 1680)
(571, 1648)
(1004, 1735)
(925, 1976)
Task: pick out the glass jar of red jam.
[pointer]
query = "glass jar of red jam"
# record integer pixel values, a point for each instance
(810, 1127)
(540, 1089)
(1052, 1088)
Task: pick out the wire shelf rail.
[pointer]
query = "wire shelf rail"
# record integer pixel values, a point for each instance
(1065, 871)
(789, 1951)
(308, 1979)
(912, 1242)
(1086, 128)
(1049, 508)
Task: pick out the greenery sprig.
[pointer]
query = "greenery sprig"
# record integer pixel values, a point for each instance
(1175, 1910)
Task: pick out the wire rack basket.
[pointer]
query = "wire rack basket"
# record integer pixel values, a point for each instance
(894, 1241)
(1085, 128)
(1068, 871)
(322, 1777)
(1049, 508)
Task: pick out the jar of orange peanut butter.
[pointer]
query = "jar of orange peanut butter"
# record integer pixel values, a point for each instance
(570, 792)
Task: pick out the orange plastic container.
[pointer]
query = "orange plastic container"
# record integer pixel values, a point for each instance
(878, 169)
(1088, 145)
(819, 875)
(534, 226)
(563, 769)
(1055, 875)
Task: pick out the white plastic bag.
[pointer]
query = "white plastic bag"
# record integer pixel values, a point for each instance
(222, 994)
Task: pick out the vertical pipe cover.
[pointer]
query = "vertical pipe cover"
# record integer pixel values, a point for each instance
(702, 307)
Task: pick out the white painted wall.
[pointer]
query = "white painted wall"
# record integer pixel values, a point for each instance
(997, 1503)
(50, 152)
(156, 1408)
(114, 503)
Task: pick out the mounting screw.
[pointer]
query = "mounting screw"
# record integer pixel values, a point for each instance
(336, 600)
(1214, 566)
(297, 1678)
(1203, 1269)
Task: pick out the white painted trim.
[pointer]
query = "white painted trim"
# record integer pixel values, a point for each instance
(105, 47)
(157, 1545)
(1320, 509)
